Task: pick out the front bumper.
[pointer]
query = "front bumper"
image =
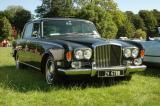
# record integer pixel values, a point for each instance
(92, 72)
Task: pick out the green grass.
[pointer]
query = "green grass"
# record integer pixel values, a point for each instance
(27, 87)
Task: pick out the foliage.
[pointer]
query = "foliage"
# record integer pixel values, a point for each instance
(150, 22)
(125, 28)
(102, 19)
(136, 20)
(156, 14)
(26, 87)
(5, 28)
(17, 16)
(21, 18)
(139, 33)
(11, 11)
(55, 8)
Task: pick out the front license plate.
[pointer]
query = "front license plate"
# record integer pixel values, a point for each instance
(110, 73)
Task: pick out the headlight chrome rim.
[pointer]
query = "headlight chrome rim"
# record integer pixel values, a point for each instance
(79, 54)
(83, 53)
(87, 54)
(135, 52)
(127, 52)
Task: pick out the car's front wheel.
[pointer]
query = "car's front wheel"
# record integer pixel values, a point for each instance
(51, 74)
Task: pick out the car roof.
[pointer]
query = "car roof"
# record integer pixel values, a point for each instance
(71, 19)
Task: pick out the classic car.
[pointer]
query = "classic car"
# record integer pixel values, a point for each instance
(151, 47)
(73, 47)
(152, 51)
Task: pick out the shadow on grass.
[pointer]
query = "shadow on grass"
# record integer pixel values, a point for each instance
(32, 80)
(151, 72)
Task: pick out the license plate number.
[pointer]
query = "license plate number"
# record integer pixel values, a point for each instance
(110, 73)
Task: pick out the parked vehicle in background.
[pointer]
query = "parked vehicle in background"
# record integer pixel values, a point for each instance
(73, 47)
(152, 49)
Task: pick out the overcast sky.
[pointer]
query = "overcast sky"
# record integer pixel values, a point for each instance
(124, 5)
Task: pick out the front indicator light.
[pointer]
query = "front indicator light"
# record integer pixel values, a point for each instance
(142, 53)
(69, 56)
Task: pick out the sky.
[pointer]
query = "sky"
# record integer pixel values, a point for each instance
(27, 4)
(136, 5)
(124, 5)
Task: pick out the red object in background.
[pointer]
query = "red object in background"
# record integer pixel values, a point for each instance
(5, 43)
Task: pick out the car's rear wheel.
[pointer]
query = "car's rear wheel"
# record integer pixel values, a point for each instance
(51, 74)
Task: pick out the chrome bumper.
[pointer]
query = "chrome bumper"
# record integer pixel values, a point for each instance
(93, 71)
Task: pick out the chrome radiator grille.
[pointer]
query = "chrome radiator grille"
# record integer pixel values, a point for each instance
(107, 55)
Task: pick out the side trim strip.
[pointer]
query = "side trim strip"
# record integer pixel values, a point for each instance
(30, 65)
(151, 56)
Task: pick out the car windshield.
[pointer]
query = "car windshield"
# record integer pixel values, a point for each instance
(68, 27)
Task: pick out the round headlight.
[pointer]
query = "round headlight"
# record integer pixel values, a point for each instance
(135, 52)
(87, 54)
(127, 52)
(79, 54)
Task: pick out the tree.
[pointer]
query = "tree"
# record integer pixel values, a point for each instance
(5, 28)
(20, 19)
(139, 33)
(136, 20)
(156, 14)
(17, 16)
(108, 5)
(126, 30)
(56, 8)
(2, 14)
(11, 11)
(125, 27)
(102, 19)
(150, 22)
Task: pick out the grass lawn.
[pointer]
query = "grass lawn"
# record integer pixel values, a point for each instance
(27, 87)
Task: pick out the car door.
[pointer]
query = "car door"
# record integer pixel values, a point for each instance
(152, 51)
(23, 43)
(35, 56)
(30, 36)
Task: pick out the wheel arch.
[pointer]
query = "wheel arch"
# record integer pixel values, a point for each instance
(44, 59)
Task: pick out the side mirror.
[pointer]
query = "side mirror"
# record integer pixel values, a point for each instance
(159, 30)
(34, 34)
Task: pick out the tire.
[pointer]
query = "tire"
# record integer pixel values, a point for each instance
(128, 77)
(51, 74)
(17, 62)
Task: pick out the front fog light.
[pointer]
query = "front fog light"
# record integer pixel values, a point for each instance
(76, 64)
(138, 61)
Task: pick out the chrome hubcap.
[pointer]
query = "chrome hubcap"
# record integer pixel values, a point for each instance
(49, 71)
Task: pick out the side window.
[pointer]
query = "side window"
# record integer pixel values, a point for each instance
(36, 30)
(28, 31)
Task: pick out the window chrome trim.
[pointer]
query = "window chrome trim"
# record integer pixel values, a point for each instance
(30, 65)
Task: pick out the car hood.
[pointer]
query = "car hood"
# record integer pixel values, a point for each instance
(78, 41)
